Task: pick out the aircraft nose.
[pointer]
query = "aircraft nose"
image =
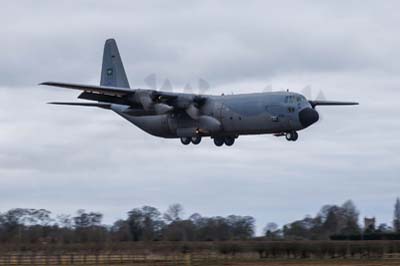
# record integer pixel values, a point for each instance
(308, 116)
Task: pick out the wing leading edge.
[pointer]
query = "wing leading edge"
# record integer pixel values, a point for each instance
(90, 88)
(327, 103)
(101, 105)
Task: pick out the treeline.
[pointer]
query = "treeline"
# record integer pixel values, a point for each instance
(147, 223)
(336, 223)
(141, 224)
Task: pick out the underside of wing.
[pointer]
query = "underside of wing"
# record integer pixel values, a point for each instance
(101, 105)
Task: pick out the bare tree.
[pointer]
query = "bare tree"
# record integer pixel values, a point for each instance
(174, 213)
(270, 229)
(64, 220)
(396, 216)
(349, 217)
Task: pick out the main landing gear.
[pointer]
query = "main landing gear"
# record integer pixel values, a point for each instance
(292, 136)
(195, 140)
(218, 141)
(228, 141)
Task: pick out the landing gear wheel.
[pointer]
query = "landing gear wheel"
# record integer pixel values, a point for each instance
(185, 140)
(218, 142)
(292, 136)
(196, 140)
(295, 136)
(229, 141)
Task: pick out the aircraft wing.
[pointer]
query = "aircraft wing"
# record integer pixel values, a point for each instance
(113, 91)
(149, 100)
(101, 105)
(318, 102)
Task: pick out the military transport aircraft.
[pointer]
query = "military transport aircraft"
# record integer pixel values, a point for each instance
(190, 116)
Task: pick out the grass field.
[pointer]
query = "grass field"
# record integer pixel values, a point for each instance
(183, 260)
(235, 253)
(311, 263)
(286, 263)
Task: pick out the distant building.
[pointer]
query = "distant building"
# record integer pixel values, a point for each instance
(369, 223)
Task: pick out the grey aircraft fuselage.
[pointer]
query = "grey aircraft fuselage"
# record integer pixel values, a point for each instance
(243, 114)
(191, 117)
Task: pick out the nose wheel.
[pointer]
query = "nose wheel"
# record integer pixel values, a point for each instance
(292, 136)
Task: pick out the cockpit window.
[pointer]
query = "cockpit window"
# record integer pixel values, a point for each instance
(295, 99)
(300, 98)
(290, 99)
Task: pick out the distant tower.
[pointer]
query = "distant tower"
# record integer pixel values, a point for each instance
(369, 223)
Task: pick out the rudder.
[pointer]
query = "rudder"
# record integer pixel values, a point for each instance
(112, 71)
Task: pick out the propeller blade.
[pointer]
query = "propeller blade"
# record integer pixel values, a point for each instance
(162, 108)
(151, 81)
(267, 88)
(203, 86)
(320, 96)
(307, 91)
(167, 86)
(188, 88)
(193, 111)
(146, 102)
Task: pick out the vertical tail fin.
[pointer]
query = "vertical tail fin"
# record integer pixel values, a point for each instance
(113, 72)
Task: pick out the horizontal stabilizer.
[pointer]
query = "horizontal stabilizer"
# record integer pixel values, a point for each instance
(101, 105)
(317, 102)
(90, 88)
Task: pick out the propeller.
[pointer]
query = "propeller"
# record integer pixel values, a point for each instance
(267, 88)
(192, 106)
(151, 81)
(167, 86)
(148, 99)
(149, 104)
(206, 123)
(203, 86)
(320, 97)
(193, 111)
(307, 92)
(188, 88)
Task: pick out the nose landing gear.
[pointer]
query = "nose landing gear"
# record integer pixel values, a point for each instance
(291, 136)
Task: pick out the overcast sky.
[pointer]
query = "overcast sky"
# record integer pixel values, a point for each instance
(65, 158)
